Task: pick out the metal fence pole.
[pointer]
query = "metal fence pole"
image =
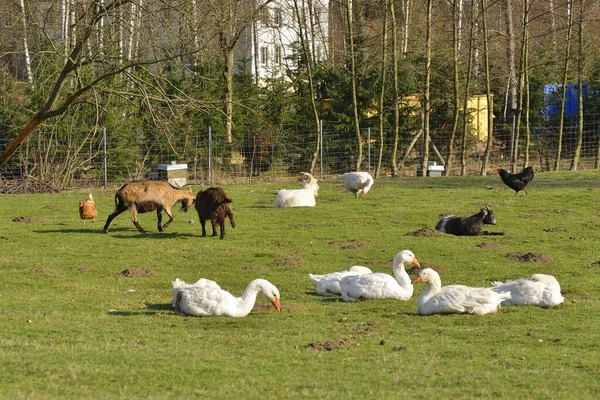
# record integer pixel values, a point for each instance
(321, 148)
(369, 148)
(105, 159)
(209, 153)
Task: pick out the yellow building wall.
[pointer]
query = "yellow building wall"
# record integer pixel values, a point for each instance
(478, 113)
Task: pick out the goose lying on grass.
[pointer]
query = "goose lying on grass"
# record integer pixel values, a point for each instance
(378, 285)
(329, 284)
(455, 299)
(205, 298)
(538, 290)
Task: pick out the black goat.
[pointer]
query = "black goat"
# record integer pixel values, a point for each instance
(469, 226)
(213, 204)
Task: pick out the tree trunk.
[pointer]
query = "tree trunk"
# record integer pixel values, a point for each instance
(407, 11)
(463, 147)
(309, 60)
(580, 67)
(522, 72)
(426, 100)
(456, 17)
(228, 93)
(511, 86)
(563, 96)
(353, 77)
(394, 162)
(26, 45)
(385, 4)
(488, 90)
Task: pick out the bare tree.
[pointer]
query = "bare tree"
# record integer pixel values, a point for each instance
(563, 89)
(395, 90)
(463, 148)
(488, 89)
(353, 84)
(456, 24)
(580, 77)
(26, 43)
(309, 62)
(426, 97)
(385, 4)
(511, 84)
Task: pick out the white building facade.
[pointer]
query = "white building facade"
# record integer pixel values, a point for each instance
(270, 47)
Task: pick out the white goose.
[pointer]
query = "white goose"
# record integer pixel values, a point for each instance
(456, 299)
(178, 284)
(205, 298)
(377, 285)
(329, 284)
(539, 290)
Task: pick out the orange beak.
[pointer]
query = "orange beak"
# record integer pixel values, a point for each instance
(277, 304)
(416, 262)
(416, 280)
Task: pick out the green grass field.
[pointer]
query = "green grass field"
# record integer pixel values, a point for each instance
(74, 326)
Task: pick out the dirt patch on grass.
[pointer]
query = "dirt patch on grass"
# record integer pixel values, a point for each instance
(567, 212)
(264, 308)
(354, 244)
(46, 272)
(425, 232)
(305, 226)
(531, 257)
(24, 220)
(486, 245)
(554, 229)
(84, 270)
(331, 345)
(256, 268)
(285, 261)
(263, 202)
(138, 272)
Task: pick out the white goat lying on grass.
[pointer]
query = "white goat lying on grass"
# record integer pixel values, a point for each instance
(358, 183)
(304, 197)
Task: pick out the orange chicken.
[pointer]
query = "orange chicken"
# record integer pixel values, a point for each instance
(87, 209)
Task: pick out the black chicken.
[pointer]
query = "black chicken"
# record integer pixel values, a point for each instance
(518, 181)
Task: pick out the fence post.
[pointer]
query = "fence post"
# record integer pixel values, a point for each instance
(369, 148)
(512, 146)
(209, 153)
(105, 159)
(321, 148)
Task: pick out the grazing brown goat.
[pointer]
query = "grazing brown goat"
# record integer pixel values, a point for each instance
(145, 196)
(214, 205)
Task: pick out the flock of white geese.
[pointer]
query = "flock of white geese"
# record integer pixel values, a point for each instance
(206, 298)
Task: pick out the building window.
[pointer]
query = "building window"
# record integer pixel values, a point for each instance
(277, 17)
(264, 55)
(277, 55)
(265, 16)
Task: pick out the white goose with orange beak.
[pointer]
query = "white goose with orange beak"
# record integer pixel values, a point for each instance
(208, 299)
(380, 286)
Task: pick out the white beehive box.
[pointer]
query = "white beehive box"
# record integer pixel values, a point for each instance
(175, 174)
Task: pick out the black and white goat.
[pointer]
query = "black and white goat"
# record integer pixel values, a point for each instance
(466, 226)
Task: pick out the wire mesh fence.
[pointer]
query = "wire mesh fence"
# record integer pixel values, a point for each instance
(110, 159)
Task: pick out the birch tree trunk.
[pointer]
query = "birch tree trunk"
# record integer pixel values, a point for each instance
(384, 37)
(353, 77)
(309, 72)
(394, 165)
(426, 100)
(407, 12)
(563, 89)
(456, 17)
(26, 44)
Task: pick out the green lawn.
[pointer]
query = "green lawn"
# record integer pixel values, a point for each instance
(74, 326)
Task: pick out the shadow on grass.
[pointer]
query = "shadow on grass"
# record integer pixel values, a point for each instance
(111, 233)
(151, 309)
